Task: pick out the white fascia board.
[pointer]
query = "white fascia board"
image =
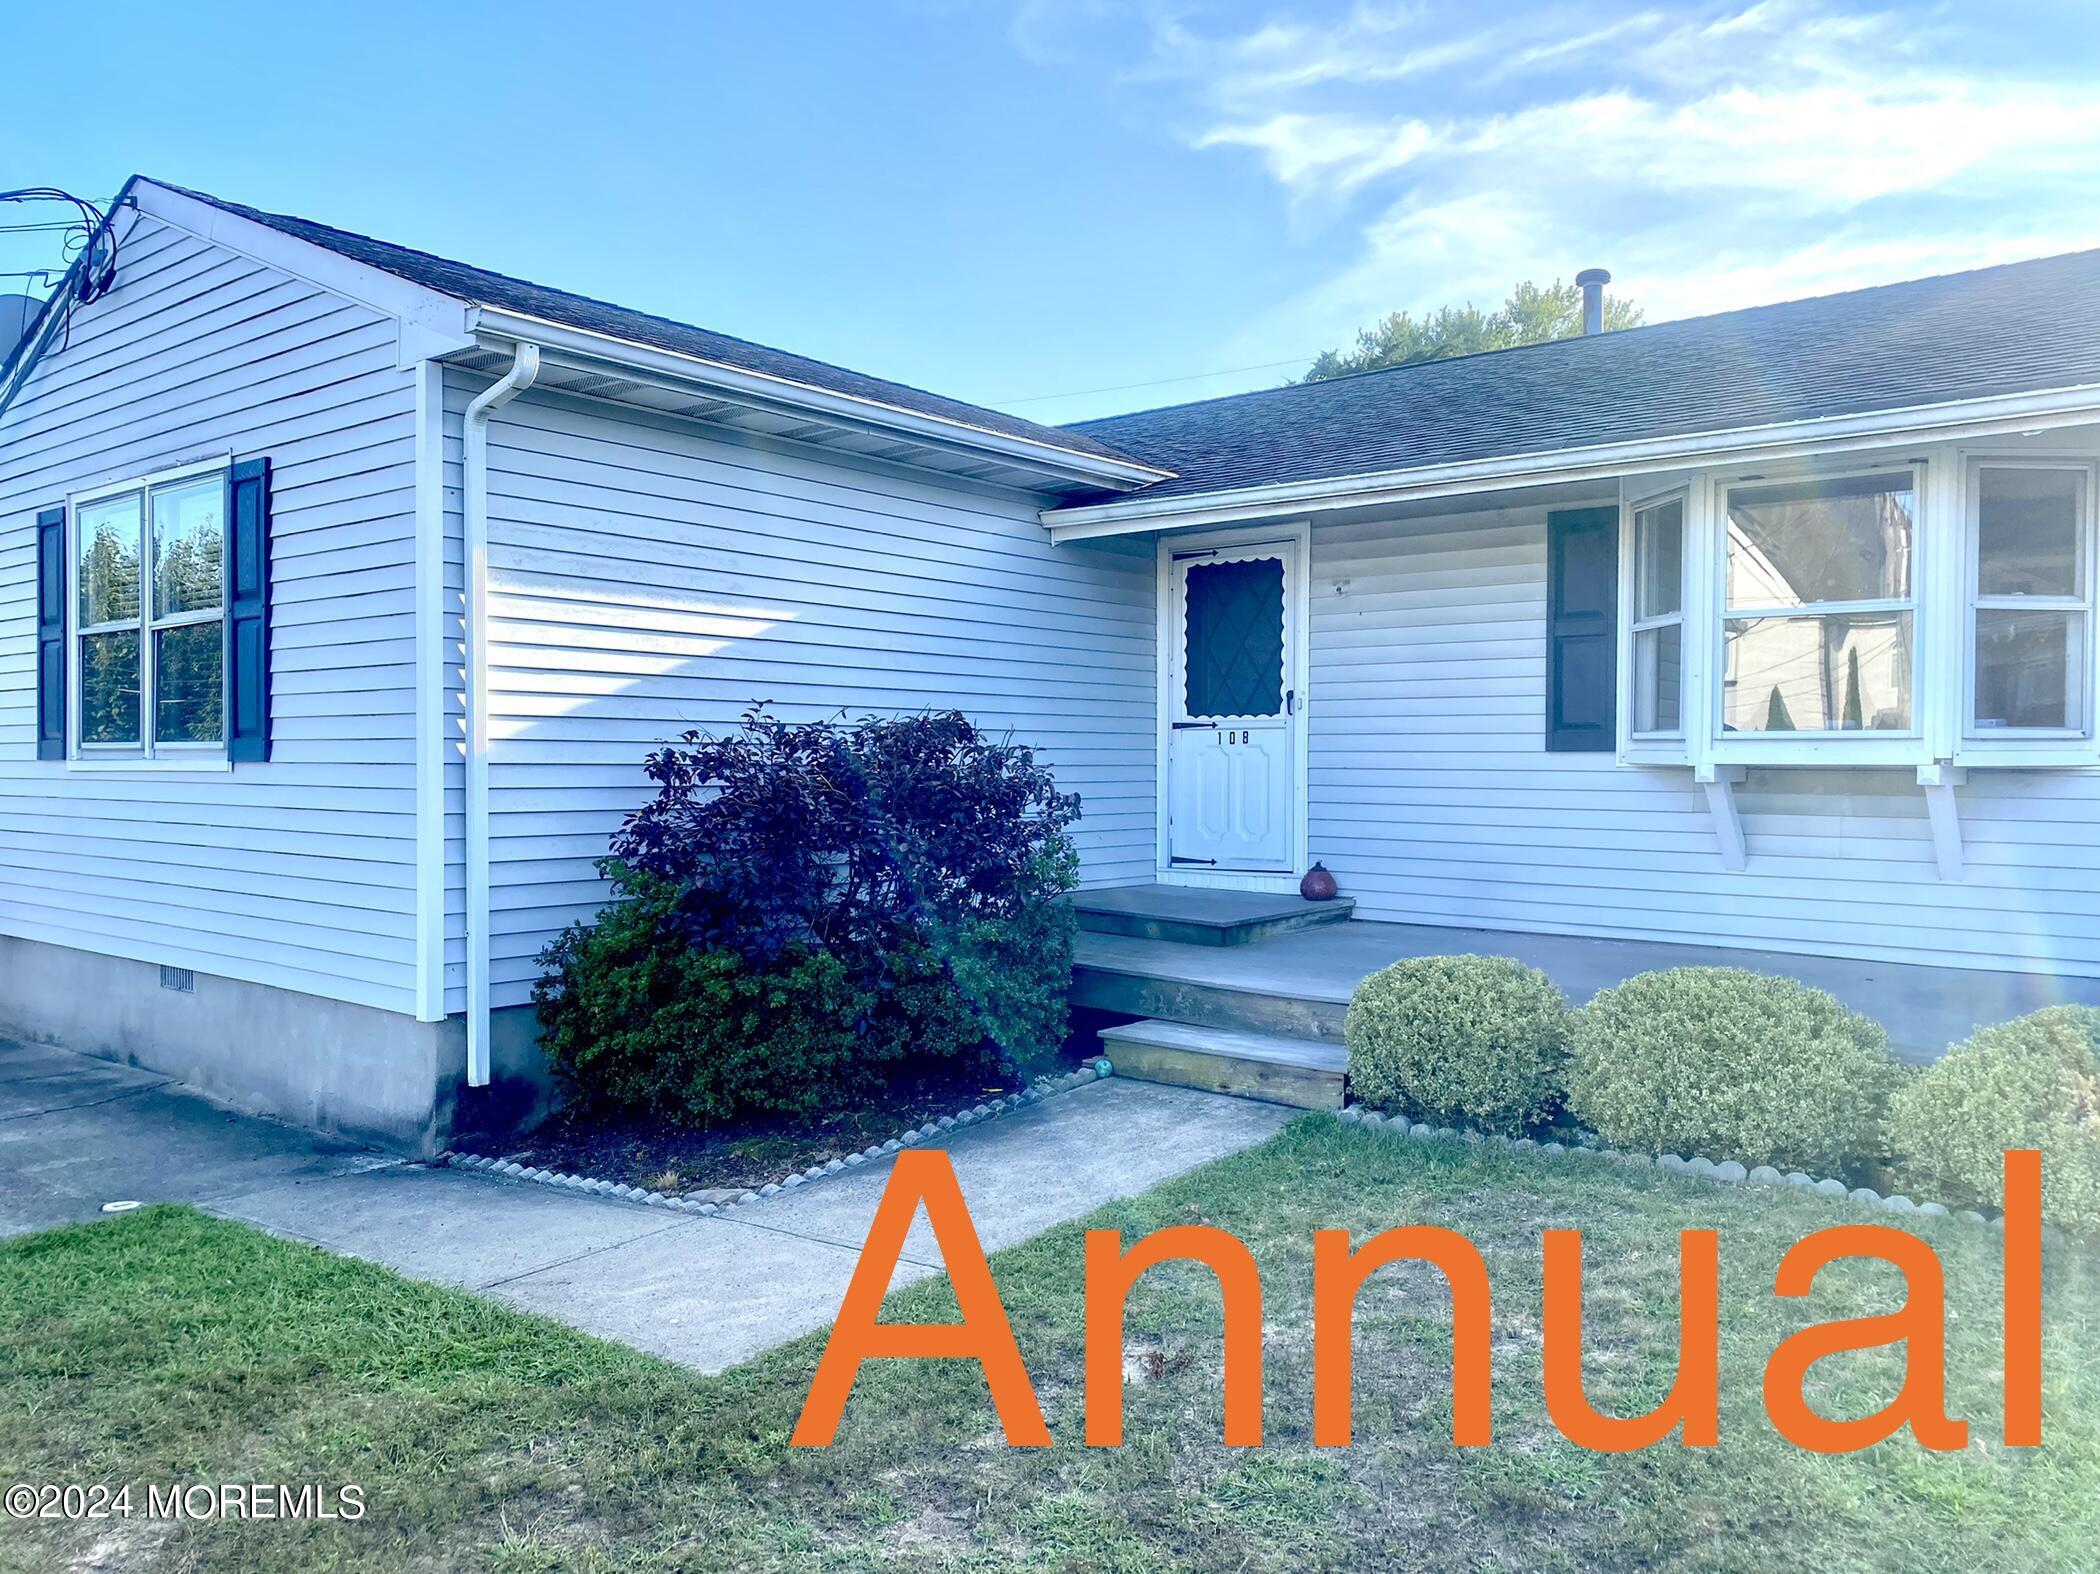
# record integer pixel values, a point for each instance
(740, 386)
(432, 323)
(1952, 421)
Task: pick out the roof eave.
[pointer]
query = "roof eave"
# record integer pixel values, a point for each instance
(1067, 466)
(2031, 411)
(436, 324)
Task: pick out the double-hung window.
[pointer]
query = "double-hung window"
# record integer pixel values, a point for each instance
(2031, 600)
(149, 631)
(1819, 610)
(1658, 618)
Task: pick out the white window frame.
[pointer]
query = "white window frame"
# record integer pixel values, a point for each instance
(146, 753)
(2027, 745)
(1824, 746)
(1636, 625)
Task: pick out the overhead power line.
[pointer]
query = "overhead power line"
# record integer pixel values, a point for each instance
(1157, 382)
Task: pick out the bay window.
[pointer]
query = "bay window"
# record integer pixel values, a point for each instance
(1658, 618)
(149, 632)
(1819, 606)
(1941, 609)
(2031, 608)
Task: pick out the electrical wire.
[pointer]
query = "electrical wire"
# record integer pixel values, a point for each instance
(89, 247)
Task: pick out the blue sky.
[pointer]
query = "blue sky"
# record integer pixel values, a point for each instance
(1007, 199)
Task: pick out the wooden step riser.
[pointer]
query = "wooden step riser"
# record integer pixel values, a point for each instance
(1138, 926)
(1300, 1087)
(1206, 1005)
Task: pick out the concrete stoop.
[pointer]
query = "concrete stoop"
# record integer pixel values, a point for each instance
(1149, 958)
(1307, 1073)
(1188, 915)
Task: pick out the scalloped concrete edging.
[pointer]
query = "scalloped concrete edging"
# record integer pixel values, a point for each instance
(1035, 1093)
(1728, 1172)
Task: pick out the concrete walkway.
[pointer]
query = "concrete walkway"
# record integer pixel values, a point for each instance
(709, 1292)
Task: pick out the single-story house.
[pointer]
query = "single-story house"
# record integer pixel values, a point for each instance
(343, 589)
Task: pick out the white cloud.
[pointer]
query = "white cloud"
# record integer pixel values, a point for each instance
(1371, 45)
(1719, 157)
(1305, 152)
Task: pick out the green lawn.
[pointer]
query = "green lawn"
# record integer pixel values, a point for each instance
(165, 1345)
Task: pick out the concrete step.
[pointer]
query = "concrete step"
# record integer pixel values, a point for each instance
(1193, 915)
(1200, 986)
(1302, 1072)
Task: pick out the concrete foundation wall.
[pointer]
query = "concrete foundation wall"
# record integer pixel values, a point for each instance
(371, 1075)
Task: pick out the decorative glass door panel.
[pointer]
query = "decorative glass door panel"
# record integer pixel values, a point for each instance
(1231, 764)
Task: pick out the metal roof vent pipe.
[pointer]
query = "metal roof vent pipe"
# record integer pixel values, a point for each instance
(1593, 281)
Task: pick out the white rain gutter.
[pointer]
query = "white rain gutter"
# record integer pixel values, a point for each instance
(736, 385)
(525, 367)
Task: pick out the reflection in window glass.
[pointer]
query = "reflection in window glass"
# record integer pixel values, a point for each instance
(149, 620)
(1840, 672)
(2030, 668)
(2030, 529)
(1658, 618)
(1846, 539)
(109, 687)
(1658, 670)
(189, 683)
(189, 543)
(1658, 544)
(108, 540)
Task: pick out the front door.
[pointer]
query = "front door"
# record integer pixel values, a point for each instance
(1232, 765)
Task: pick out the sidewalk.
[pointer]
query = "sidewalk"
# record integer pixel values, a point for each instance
(708, 1292)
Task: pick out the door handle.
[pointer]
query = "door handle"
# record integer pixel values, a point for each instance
(1290, 702)
(1184, 726)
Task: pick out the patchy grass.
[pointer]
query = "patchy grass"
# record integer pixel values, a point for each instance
(165, 1345)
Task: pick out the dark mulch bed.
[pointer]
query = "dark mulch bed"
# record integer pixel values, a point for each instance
(662, 1155)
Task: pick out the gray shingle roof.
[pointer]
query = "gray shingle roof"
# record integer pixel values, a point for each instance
(483, 288)
(2016, 328)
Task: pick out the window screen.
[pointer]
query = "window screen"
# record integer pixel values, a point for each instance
(1234, 655)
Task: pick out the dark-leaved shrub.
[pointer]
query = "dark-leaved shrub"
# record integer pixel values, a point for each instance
(856, 895)
(633, 1017)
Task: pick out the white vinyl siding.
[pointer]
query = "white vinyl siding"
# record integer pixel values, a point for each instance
(297, 873)
(1434, 800)
(649, 575)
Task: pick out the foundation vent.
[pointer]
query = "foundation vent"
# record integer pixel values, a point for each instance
(180, 979)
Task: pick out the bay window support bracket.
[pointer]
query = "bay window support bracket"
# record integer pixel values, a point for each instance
(1719, 782)
(1938, 781)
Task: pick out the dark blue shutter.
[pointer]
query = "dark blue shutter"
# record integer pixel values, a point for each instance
(248, 611)
(1582, 630)
(51, 634)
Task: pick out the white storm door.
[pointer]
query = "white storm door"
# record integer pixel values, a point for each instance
(1231, 764)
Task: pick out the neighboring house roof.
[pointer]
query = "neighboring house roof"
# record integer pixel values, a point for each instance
(480, 287)
(2021, 327)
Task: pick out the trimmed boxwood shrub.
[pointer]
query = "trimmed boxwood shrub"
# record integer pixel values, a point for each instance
(2033, 1082)
(1733, 1065)
(1473, 1040)
(803, 907)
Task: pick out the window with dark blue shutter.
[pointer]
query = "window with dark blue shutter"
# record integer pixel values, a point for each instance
(1582, 633)
(248, 611)
(51, 634)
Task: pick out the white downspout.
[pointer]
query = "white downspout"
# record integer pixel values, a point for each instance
(525, 367)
